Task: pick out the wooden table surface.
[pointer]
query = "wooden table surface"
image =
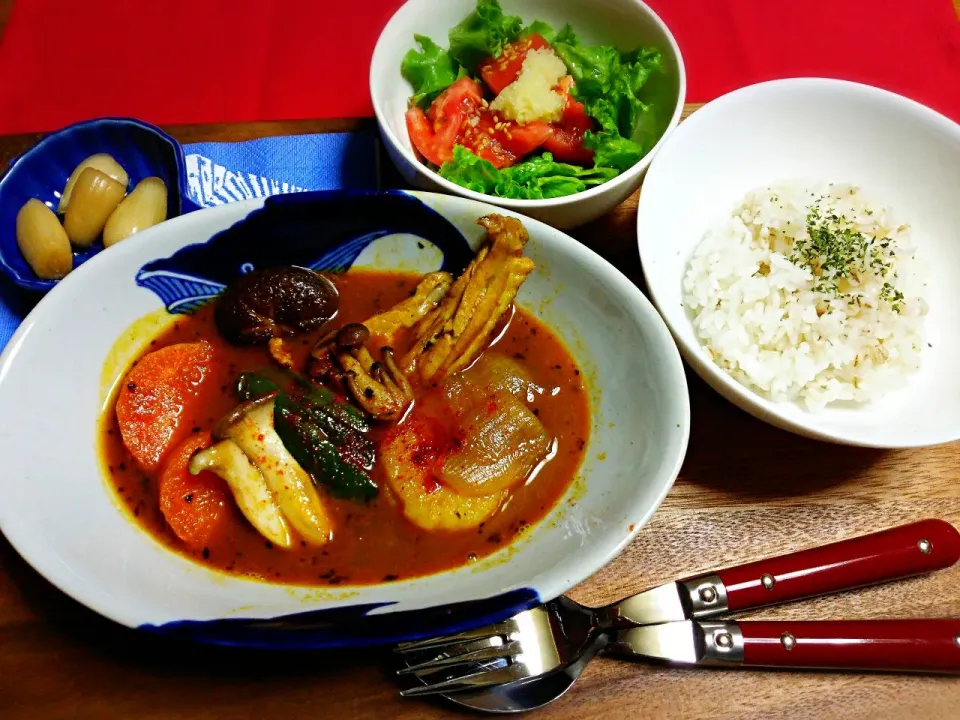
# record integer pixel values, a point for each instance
(745, 491)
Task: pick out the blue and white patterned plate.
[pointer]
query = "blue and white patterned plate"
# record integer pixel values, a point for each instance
(57, 510)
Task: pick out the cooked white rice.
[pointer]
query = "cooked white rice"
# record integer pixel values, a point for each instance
(785, 315)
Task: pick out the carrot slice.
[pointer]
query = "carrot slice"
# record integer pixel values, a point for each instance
(157, 395)
(195, 506)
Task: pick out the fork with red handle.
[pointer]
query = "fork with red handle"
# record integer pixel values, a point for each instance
(676, 622)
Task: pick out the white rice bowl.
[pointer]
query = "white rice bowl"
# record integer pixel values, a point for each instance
(800, 331)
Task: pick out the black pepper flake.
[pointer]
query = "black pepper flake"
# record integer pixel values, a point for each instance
(390, 578)
(420, 245)
(206, 553)
(136, 510)
(495, 538)
(368, 392)
(519, 356)
(581, 443)
(132, 387)
(188, 498)
(152, 343)
(536, 411)
(110, 430)
(303, 543)
(268, 545)
(122, 466)
(576, 372)
(223, 388)
(472, 557)
(196, 429)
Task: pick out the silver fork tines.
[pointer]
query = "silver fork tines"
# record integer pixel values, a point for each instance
(495, 648)
(514, 649)
(474, 681)
(451, 641)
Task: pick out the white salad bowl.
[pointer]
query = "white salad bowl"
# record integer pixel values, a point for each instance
(622, 23)
(900, 153)
(59, 512)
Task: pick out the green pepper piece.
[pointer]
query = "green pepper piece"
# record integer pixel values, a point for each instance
(318, 456)
(251, 385)
(320, 396)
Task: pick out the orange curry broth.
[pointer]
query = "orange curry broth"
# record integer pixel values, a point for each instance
(372, 542)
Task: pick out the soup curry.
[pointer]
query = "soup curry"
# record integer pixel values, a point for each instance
(332, 446)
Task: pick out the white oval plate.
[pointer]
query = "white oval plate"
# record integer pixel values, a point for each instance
(57, 510)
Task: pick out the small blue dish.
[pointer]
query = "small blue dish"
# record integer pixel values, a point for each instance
(42, 172)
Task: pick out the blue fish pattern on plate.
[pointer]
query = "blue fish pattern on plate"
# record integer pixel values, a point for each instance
(319, 230)
(351, 626)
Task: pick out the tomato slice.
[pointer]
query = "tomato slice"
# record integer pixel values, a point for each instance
(435, 132)
(458, 117)
(498, 72)
(422, 135)
(566, 141)
(503, 143)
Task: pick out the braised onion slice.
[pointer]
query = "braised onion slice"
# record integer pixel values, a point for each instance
(502, 442)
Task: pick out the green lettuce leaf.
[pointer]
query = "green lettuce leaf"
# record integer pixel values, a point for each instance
(483, 33)
(534, 179)
(430, 71)
(611, 150)
(538, 27)
(469, 171)
(566, 36)
(616, 89)
(593, 68)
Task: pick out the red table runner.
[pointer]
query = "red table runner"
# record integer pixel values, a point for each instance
(194, 61)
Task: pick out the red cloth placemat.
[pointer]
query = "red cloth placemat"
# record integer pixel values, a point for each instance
(190, 61)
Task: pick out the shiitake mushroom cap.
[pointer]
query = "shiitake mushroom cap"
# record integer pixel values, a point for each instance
(275, 302)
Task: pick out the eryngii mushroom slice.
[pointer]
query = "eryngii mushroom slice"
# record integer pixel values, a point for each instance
(251, 427)
(249, 489)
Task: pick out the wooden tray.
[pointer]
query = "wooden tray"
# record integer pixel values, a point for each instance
(746, 491)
